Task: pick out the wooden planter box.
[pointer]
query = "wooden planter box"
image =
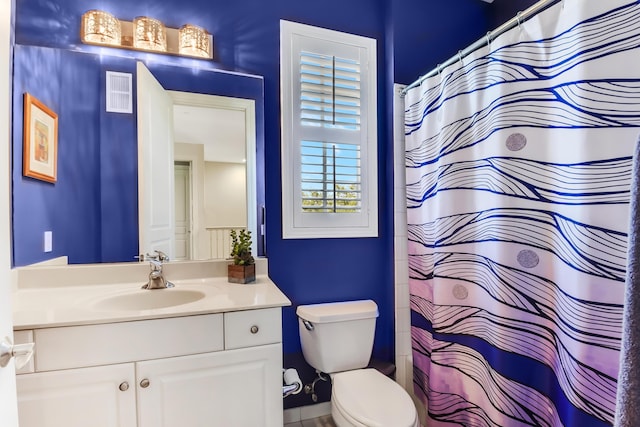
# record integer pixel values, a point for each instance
(241, 273)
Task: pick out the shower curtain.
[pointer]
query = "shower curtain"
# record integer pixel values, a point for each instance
(518, 163)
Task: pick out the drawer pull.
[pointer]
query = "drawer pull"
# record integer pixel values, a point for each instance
(124, 386)
(254, 329)
(144, 383)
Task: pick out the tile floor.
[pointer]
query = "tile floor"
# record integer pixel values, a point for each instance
(325, 421)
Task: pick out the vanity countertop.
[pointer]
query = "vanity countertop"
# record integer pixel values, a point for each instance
(46, 307)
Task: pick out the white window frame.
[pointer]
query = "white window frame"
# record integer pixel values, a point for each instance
(297, 224)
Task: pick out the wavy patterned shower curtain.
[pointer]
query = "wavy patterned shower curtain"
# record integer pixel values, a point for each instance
(518, 166)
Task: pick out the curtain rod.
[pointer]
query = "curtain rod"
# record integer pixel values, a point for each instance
(485, 41)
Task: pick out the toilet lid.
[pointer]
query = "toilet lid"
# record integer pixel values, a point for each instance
(372, 399)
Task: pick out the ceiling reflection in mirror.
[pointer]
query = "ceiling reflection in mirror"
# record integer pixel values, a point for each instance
(92, 210)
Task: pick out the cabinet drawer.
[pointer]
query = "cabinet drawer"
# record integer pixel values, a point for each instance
(252, 327)
(92, 345)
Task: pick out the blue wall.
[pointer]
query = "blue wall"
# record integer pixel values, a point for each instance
(60, 82)
(427, 33)
(412, 36)
(504, 10)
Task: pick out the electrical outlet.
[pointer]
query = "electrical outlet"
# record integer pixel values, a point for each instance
(48, 241)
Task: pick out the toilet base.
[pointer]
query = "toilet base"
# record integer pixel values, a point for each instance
(340, 419)
(367, 398)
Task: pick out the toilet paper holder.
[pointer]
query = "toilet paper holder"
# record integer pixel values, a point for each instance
(292, 382)
(22, 352)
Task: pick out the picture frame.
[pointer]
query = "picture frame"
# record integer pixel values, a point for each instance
(40, 151)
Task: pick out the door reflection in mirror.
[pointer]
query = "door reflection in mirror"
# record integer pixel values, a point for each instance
(165, 118)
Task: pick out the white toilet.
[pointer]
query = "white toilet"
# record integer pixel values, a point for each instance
(337, 339)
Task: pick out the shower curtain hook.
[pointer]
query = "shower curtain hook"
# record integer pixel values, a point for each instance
(519, 17)
(460, 56)
(488, 38)
(439, 70)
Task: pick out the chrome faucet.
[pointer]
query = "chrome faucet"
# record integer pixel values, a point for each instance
(156, 277)
(159, 255)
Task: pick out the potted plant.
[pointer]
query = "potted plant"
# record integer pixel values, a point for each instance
(243, 269)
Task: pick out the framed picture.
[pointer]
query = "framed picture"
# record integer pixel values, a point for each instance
(40, 155)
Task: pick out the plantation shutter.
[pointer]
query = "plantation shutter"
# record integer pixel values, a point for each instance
(329, 137)
(329, 91)
(330, 177)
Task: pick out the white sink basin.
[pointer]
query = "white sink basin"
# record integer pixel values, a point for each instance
(149, 299)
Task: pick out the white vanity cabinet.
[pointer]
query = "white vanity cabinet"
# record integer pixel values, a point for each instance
(102, 396)
(213, 389)
(206, 370)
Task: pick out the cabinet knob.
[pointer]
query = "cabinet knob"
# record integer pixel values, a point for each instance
(144, 383)
(124, 386)
(254, 329)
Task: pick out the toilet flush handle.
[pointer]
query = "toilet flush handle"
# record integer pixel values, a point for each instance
(308, 325)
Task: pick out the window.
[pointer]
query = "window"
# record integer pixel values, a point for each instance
(329, 133)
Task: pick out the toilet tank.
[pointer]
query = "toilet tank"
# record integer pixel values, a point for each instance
(337, 336)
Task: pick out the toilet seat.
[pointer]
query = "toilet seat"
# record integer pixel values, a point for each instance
(367, 398)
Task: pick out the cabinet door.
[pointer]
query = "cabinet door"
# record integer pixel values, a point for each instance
(103, 396)
(235, 388)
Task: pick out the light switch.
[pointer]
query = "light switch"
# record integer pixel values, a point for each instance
(48, 241)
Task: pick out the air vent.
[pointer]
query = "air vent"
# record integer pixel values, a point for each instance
(119, 92)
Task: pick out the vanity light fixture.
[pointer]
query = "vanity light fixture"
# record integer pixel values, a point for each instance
(145, 34)
(194, 41)
(149, 34)
(100, 27)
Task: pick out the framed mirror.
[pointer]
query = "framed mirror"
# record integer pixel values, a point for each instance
(92, 211)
